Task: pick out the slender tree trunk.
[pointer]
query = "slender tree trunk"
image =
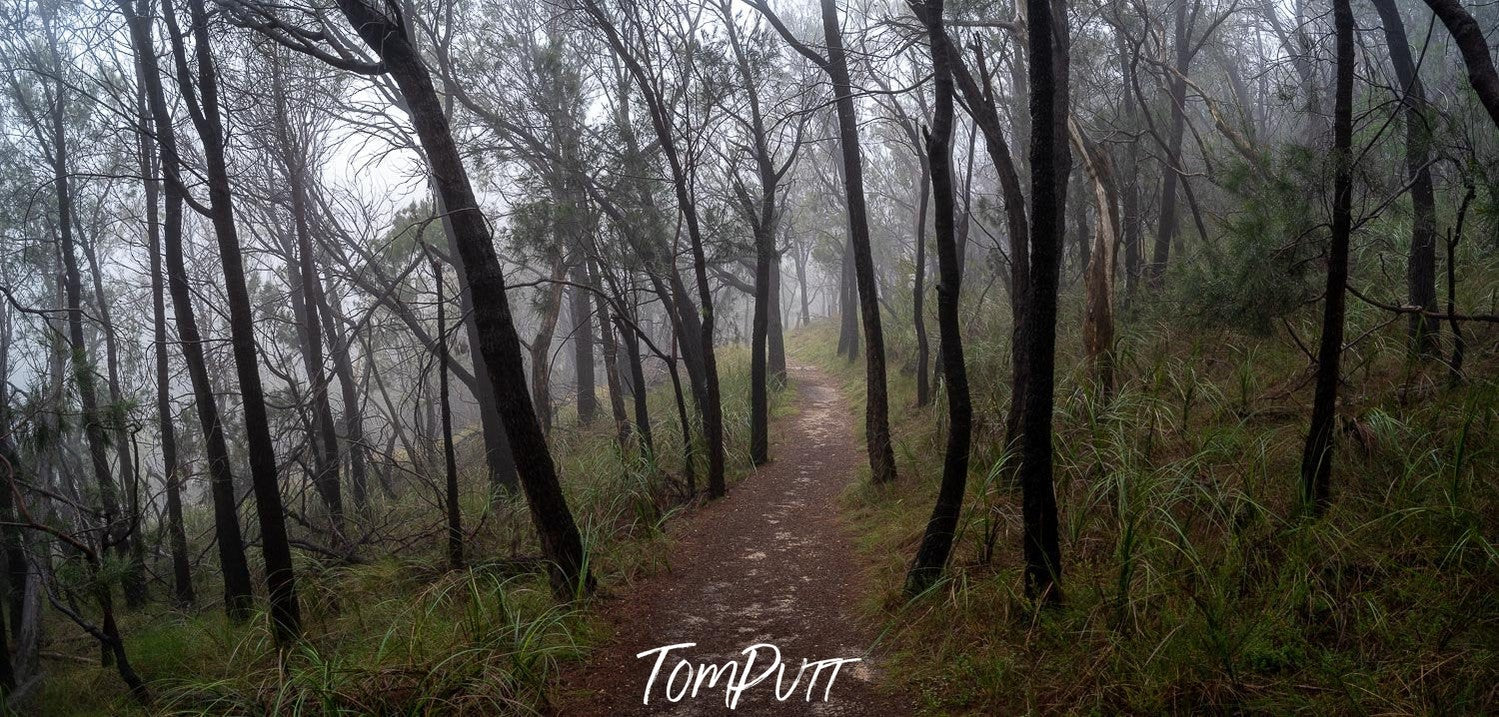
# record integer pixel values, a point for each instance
(759, 447)
(541, 346)
(1421, 271)
(227, 536)
(1131, 193)
(611, 360)
(1177, 87)
(918, 292)
(582, 321)
(286, 618)
(776, 336)
(343, 369)
(638, 389)
(877, 400)
(134, 578)
(497, 452)
(936, 544)
(83, 369)
(182, 578)
(560, 540)
(450, 460)
(1050, 162)
(1317, 457)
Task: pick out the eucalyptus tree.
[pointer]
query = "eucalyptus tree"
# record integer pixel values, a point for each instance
(877, 399)
(384, 31)
(227, 536)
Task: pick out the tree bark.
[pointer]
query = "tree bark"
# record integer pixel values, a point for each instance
(286, 618)
(233, 564)
(936, 544)
(182, 578)
(450, 460)
(1317, 457)
(918, 292)
(560, 540)
(1050, 162)
(877, 401)
(1421, 271)
(1177, 88)
(582, 324)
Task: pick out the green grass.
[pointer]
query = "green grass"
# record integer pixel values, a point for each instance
(402, 635)
(1193, 582)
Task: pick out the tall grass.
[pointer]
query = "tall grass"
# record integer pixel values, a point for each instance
(1194, 584)
(398, 633)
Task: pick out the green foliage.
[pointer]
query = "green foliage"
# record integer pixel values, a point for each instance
(1192, 582)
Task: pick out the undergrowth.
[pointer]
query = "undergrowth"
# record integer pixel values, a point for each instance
(1193, 582)
(397, 633)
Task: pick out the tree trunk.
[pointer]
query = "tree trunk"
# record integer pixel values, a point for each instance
(1475, 48)
(877, 401)
(1421, 271)
(286, 616)
(560, 541)
(497, 452)
(936, 544)
(1050, 162)
(582, 324)
(233, 564)
(638, 388)
(776, 336)
(1316, 458)
(918, 292)
(82, 366)
(182, 578)
(134, 578)
(1098, 316)
(541, 346)
(450, 460)
(611, 360)
(1177, 87)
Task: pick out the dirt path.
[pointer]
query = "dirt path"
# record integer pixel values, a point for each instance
(769, 563)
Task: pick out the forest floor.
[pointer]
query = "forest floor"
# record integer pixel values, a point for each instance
(770, 563)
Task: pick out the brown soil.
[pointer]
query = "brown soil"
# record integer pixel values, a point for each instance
(769, 563)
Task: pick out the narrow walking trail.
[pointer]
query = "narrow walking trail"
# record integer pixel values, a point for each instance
(769, 563)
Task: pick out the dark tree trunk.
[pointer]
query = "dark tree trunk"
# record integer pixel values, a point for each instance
(661, 121)
(776, 336)
(1316, 459)
(450, 460)
(918, 292)
(83, 369)
(1131, 193)
(182, 577)
(286, 618)
(134, 578)
(233, 564)
(638, 388)
(306, 290)
(759, 447)
(1475, 48)
(936, 544)
(1421, 271)
(1177, 87)
(1050, 162)
(343, 368)
(582, 320)
(981, 105)
(497, 452)
(560, 541)
(877, 400)
(611, 360)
